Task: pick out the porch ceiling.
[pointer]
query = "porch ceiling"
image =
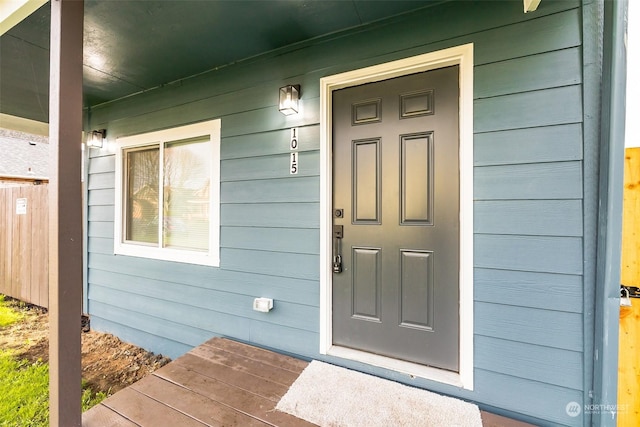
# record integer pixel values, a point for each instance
(132, 46)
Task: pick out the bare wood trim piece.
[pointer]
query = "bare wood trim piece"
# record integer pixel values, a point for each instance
(629, 335)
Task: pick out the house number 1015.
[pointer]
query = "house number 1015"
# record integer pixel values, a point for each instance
(293, 163)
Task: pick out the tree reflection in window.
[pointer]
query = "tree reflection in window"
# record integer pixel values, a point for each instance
(187, 172)
(142, 196)
(185, 194)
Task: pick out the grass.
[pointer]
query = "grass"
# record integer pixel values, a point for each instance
(7, 315)
(24, 386)
(25, 392)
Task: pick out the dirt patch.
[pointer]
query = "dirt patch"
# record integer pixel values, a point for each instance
(25, 334)
(108, 364)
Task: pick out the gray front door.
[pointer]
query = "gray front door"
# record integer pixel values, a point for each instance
(396, 195)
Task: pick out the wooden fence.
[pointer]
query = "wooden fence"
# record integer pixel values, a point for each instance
(24, 243)
(629, 354)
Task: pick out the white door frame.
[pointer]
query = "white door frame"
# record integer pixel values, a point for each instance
(462, 56)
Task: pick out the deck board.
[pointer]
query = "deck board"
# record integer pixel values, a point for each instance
(103, 416)
(226, 374)
(219, 383)
(249, 366)
(237, 397)
(265, 356)
(145, 411)
(200, 407)
(493, 420)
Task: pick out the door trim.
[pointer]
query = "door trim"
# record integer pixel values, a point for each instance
(462, 56)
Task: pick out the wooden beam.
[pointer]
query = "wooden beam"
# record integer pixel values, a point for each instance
(14, 11)
(65, 213)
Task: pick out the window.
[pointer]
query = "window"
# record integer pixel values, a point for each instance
(168, 194)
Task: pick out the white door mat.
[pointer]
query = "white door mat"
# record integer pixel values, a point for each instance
(331, 396)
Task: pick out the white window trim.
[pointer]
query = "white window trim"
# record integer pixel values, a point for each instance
(212, 257)
(462, 56)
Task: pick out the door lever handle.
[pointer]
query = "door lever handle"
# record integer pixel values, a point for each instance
(337, 264)
(338, 233)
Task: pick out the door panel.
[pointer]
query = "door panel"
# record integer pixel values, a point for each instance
(416, 286)
(396, 176)
(366, 283)
(366, 179)
(417, 180)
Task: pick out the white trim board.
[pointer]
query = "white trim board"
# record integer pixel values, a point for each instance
(462, 56)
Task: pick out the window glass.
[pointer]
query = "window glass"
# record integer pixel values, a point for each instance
(187, 171)
(142, 194)
(167, 203)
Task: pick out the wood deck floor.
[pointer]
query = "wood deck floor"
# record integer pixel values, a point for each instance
(220, 383)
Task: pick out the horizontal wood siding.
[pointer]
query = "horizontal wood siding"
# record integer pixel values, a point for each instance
(530, 145)
(528, 217)
(550, 291)
(547, 364)
(295, 291)
(557, 180)
(534, 253)
(547, 401)
(528, 191)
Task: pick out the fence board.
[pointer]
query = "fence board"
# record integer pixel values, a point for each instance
(40, 247)
(6, 222)
(24, 248)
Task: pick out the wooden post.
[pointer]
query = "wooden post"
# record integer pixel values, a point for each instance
(65, 213)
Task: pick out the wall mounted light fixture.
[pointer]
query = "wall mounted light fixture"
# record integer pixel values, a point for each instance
(96, 138)
(289, 97)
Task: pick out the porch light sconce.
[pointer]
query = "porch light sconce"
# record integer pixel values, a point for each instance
(96, 138)
(289, 99)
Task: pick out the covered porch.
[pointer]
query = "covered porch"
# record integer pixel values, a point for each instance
(149, 66)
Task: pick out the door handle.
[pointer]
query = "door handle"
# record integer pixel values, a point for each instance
(337, 264)
(338, 233)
